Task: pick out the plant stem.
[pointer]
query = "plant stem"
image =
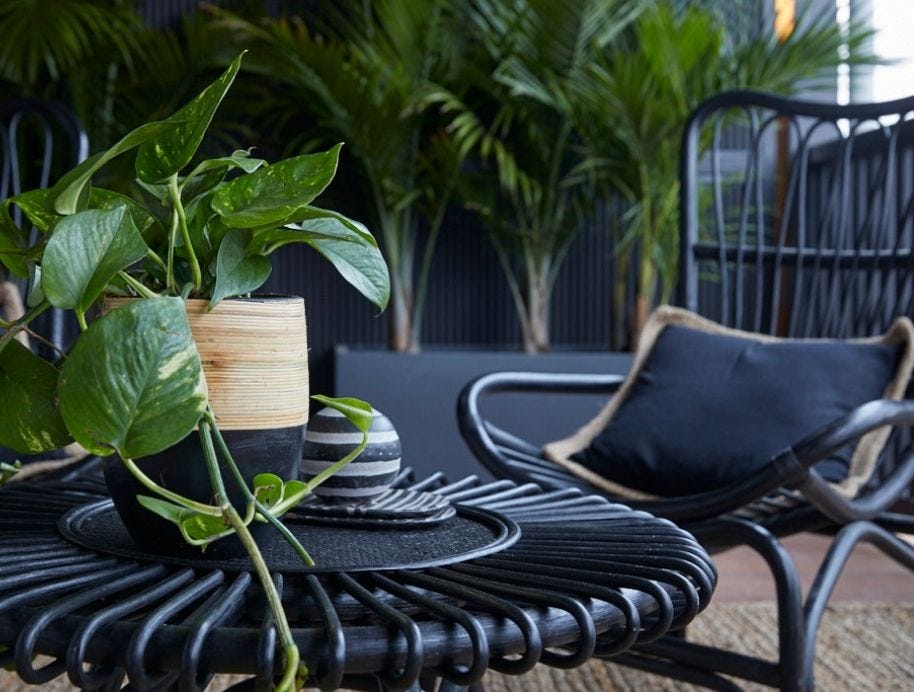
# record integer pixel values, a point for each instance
(136, 285)
(81, 320)
(185, 233)
(17, 326)
(47, 342)
(170, 265)
(154, 256)
(289, 502)
(290, 537)
(263, 573)
(150, 484)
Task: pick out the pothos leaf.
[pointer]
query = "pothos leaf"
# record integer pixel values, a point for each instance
(239, 159)
(133, 382)
(202, 527)
(165, 509)
(268, 488)
(195, 527)
(343, 242)
(165, 155)
(13, 243)
(272, 194)
(36, 294)
(85, 251)
(100, 198)
(236, 271)
(313, 222)
(363, 267)
(33, 205)
(66, 194)
(356, 411)
(30, 423)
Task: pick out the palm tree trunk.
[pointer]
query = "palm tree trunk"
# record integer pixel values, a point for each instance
(644, 301)
(400, 335)
(536, 322)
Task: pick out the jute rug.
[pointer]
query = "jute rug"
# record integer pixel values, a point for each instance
(862, 647)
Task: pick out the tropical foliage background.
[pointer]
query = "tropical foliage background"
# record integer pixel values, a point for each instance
(538, 117)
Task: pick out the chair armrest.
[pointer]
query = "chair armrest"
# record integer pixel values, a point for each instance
(828, 440)
(479, 433)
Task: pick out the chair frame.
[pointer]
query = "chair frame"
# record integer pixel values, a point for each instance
(718, 519)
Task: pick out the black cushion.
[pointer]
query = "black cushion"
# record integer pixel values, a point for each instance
(707, 409)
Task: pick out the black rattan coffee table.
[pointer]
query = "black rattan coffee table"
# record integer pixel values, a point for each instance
(517, 576)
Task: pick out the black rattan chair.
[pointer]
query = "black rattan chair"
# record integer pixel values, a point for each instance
(40, 140)
(796, 221)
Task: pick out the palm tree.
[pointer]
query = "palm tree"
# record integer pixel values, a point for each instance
(74, 51)
(363, 75)
(520, 118)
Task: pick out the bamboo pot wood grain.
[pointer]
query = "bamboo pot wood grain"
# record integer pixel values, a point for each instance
(255, 358)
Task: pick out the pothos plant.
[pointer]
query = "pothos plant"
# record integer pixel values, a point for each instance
(132, 383)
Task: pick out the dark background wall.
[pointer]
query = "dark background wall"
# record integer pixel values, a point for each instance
(468, 303)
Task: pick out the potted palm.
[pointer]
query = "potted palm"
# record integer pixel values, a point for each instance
(176, 274)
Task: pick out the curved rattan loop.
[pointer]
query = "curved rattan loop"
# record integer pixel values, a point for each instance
(442, 581)
(136, 648)
(529, 588)
(217, 611)
(406, 677)
(79, 642)
(480, 643)
(662, 615)
(333, 631)
(266, 646)
(126, 577)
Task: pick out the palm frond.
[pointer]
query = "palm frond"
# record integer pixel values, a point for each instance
(50, 38)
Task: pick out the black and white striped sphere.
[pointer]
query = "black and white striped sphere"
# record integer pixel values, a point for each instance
(330, 436)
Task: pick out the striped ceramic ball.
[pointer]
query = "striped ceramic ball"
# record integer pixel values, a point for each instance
(330, 436)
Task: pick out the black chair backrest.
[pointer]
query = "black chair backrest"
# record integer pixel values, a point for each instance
(797, 216)
(40, 141)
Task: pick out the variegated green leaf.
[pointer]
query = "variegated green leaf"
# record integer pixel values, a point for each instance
(30, 422)
(34, 206)
(163, 156)
(85, 251)
(356, 411)
(314, 222)
(236, 271)
(65, 195)
(273, 194)
(363, 267)
(134, 383)
(13, 243)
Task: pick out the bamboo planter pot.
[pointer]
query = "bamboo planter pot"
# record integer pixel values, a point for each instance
(254, 353)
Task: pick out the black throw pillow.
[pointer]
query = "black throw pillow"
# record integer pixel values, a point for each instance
(703, 409)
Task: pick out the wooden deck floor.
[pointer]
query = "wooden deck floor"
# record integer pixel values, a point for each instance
(868, 576)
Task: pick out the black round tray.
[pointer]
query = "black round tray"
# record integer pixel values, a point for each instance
(470, 534)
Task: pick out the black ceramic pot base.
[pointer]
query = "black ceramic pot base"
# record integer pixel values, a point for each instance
(392, 509)
(469, 534)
